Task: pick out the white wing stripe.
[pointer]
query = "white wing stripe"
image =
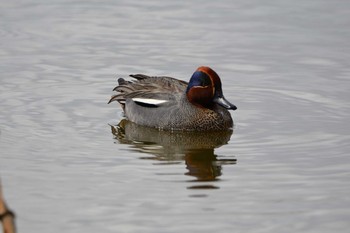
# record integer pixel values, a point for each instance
(149, 101)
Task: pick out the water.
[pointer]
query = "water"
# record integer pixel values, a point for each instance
(65, 167)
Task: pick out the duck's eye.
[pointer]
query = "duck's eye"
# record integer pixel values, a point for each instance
(205, 80)
(200, 78)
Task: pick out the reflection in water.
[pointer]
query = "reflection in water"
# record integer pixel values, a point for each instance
(202, 165)
(196, 148)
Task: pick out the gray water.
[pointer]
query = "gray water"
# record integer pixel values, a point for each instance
(66, 166)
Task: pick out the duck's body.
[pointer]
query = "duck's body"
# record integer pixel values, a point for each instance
(171, 104)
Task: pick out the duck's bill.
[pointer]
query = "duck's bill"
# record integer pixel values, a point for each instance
(224, 103)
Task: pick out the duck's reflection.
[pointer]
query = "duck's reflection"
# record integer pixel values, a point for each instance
(203, 165)
(196, 148)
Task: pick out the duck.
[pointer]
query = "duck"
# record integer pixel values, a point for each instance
(167, 103)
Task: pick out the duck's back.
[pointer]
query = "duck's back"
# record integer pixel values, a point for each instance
(149, 99)
(149, 87)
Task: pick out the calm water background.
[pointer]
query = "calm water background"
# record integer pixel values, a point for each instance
(285, 64)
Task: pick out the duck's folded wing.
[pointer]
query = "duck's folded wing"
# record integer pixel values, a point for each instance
(148, 91)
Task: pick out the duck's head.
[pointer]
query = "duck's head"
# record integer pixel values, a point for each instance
(204, 89)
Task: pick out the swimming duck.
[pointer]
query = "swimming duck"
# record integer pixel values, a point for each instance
(167, 103)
